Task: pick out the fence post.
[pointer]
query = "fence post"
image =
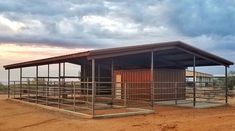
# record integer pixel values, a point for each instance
(54, 89)
(48, 81)
(47, 88)
(87, 90)
(152, 93)
(176, 93)
(125, 97)
(74, 96)
(14, 89)
(28, 90)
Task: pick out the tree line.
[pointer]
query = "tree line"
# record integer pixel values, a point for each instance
(220, 82)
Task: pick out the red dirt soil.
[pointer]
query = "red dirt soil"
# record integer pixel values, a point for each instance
(16, 116)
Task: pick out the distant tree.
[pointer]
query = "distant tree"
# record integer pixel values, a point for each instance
(2, 87)
(41, 81)
(231, 80)
(220, 82)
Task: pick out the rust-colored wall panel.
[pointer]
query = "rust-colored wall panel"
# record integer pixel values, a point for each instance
(137, 83)
(169, 83)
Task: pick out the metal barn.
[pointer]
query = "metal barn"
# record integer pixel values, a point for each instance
(119, 81)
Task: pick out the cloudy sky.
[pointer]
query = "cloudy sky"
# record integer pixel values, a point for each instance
(42, 28)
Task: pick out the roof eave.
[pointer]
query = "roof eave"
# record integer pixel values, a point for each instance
(51, 60)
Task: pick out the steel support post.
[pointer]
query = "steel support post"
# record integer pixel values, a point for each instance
(152, 79)
(93, 86)
(8, 83)
(98, 83)
(37, 84)
(226, 84)
(48, 83)
(59, 95)
(64, 72)
(63, 85)
(112, 81)
(194, 81)
(85, 81)
(20, 83)
(82, 78)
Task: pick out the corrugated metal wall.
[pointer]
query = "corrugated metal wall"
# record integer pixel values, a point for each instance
(137, 83)
(169, 83)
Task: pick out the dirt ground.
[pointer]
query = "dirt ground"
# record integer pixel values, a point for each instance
(16, 116)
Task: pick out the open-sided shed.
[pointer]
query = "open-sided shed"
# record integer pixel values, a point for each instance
(125, 79)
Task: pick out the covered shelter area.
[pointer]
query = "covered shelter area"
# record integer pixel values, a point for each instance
(119, 81)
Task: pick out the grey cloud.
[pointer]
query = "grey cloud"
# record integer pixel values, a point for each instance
(51, 13)
(211, 17)
(72, 43)
(42, 7)
(60, 23)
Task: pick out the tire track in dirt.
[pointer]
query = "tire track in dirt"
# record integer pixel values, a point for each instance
(37, 124)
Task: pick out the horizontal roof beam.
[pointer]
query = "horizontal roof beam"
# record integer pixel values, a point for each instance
(201, 56)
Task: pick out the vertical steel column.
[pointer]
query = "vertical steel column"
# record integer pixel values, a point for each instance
(226, 85)
(112, 81)
(20, 83)
(37, 84)
(152, 79)
(63, 73)
(59, 86)
(8, 83)
(48, 72)
(63, 85)
(48, 79)
(93, 87)
(194, 82)
(82, 79)
(98, 83)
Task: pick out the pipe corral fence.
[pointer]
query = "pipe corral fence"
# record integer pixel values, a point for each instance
(121, 98)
